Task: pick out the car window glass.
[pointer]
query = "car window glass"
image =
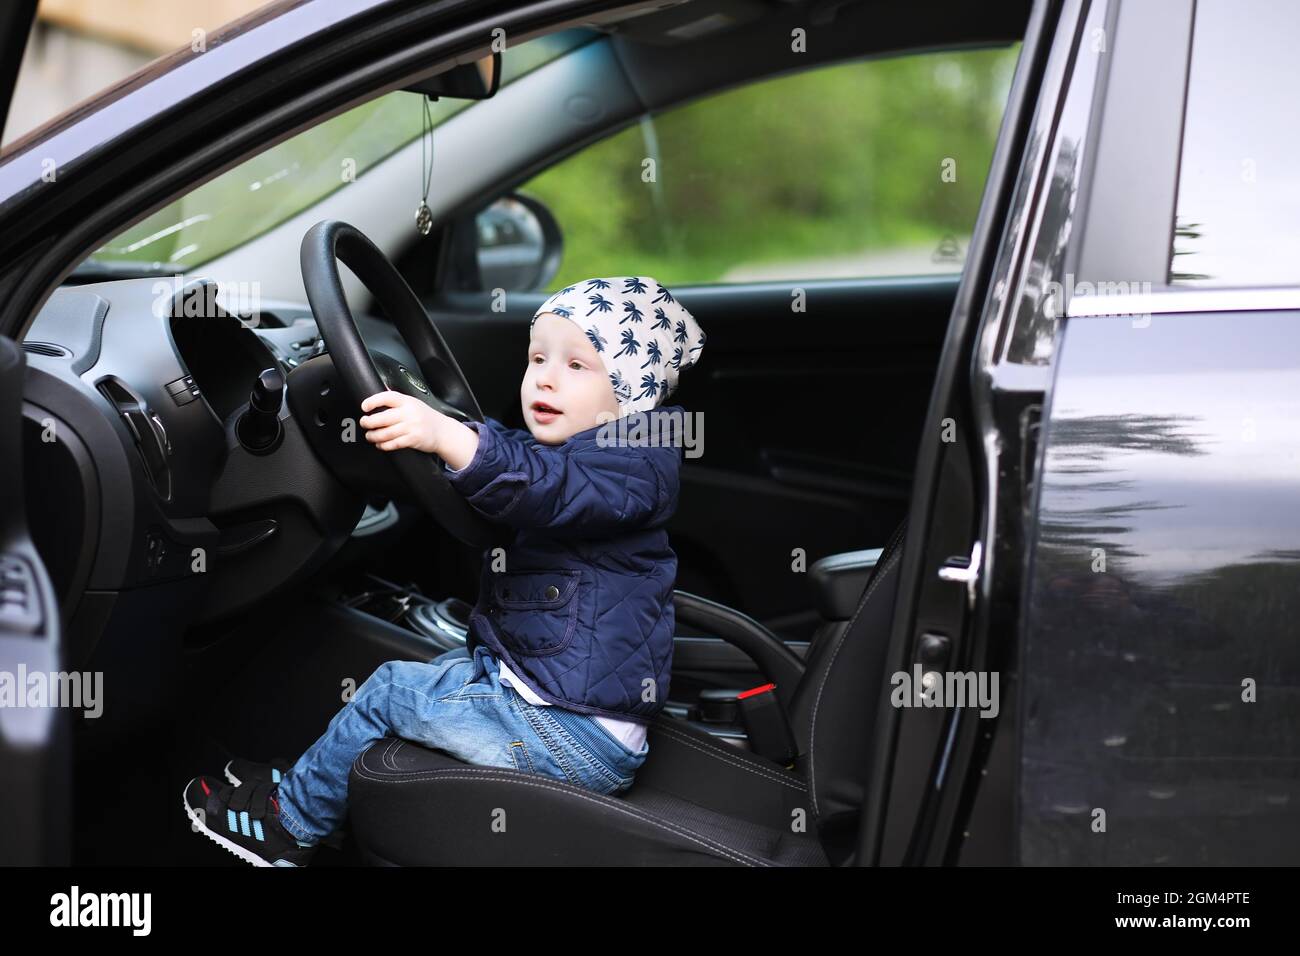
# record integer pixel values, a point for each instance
(871, 168)
(1239, 186)
(275, 185)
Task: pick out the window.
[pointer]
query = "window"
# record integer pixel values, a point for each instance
(1238, 186)
(275, 185)
(870, 168)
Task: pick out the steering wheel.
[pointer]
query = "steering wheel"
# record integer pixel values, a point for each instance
(439, 382)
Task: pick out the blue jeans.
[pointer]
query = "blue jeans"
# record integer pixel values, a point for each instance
(455, 703)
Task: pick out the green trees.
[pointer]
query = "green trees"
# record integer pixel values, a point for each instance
(836, 161)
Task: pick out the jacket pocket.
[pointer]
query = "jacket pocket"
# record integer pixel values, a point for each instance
(537, 611)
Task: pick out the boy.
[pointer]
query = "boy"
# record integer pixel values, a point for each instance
(570, 646)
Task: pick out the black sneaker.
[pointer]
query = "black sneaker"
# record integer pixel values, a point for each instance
(244, 820)
(243, 772)
(240, 771)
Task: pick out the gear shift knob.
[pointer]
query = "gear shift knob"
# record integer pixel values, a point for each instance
(258, 428)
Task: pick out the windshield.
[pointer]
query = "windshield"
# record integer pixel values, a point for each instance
(273, 186)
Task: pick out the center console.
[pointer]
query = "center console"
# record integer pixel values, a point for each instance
(443, 623)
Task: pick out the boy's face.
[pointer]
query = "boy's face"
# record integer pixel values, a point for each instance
(564, 374)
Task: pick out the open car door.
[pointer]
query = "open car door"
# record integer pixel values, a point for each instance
(35, 752)
(941, 785)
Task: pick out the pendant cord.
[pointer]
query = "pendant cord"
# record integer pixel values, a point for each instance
(427, 135)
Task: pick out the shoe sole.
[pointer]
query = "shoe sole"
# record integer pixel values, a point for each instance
(196, 818)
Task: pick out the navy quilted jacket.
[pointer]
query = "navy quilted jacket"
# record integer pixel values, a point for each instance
(579, 602)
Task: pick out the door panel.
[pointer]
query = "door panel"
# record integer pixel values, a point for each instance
(1166, 522)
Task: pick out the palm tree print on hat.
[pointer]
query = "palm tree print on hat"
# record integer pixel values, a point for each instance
(640, 371)
(622, 390)
(630, 344)
(632, 312)
(698, 345)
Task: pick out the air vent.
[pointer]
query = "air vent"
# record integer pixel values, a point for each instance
(146, 429)
(46, 348)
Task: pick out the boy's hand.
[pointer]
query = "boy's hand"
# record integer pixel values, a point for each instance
(405, 422)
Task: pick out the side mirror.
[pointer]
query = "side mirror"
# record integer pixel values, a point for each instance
(519, 245)
(478, 80)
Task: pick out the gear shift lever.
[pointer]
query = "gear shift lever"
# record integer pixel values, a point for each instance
(258, 428)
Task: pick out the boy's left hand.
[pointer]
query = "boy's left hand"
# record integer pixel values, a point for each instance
(406, 422)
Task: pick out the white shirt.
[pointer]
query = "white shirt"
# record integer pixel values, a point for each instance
(629, 732)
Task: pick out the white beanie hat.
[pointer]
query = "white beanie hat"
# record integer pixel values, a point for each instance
(645, 337)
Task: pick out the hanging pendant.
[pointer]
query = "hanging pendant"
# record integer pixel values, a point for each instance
(423, 218)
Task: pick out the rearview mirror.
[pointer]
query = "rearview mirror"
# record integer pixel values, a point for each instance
(466, 81)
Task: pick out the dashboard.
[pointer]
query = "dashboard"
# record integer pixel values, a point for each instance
(136, 473)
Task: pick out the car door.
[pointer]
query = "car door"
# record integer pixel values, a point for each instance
(1110, 535)
(34, 744)
(940, 789)
(1160, 709)
(823, 338)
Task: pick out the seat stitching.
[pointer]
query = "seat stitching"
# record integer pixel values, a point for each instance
(736, 760)
(468, 772)
(766, 772)
(436, 776)
(577, 791)
(812, 729)
(388, 758)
